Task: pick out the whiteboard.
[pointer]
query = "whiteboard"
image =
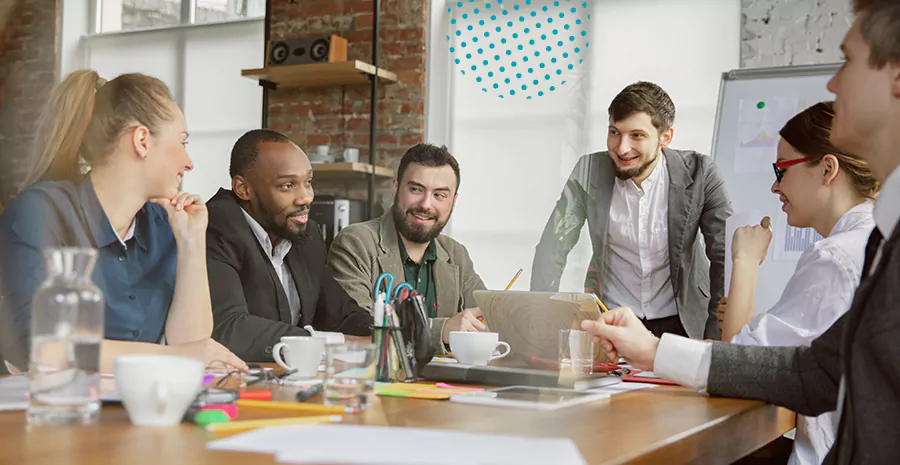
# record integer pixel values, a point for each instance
(753, 105)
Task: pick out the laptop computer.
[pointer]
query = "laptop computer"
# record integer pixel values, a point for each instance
(530, 321)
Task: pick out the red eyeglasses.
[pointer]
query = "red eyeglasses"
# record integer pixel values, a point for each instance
(781, 166)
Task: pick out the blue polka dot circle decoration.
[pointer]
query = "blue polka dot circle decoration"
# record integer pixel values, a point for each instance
(533, 44)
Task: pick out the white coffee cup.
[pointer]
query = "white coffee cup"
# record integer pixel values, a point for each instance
(351, 155)
(302, 353)
(473, 348)
(157, 389)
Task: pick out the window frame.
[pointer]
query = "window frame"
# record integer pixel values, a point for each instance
(187, 19)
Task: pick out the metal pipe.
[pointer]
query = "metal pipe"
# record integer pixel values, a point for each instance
(265, 89)
(373, 107)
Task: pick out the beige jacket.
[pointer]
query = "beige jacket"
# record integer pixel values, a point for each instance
(362, 251)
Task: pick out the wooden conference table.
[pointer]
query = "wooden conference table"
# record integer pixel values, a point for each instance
(664, 424)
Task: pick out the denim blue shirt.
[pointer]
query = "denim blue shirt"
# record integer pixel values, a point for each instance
(137, 279)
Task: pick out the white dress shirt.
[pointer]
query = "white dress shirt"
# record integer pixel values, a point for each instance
(821, 288)
(638, 273)
(276, 257)
(819, 292)
(887, 211)
(687, 361)
(128, 235)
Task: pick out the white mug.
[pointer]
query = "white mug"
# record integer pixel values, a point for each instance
(472, 348)
(351, 155)
(303, 353)
(157, 389)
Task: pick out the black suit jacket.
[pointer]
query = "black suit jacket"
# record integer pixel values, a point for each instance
(862, 348)
(250, 307)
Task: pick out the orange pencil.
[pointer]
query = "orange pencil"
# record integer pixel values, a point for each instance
(296, 406)
(244, 425)
(513, 281)
(600, 303)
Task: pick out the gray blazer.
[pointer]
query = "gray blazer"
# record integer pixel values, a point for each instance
(362, 251)
(697, 202)
(862, 350)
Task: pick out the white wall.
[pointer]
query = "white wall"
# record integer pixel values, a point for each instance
(516, 154)
(220, 105)
(793, 32)
(202, 67)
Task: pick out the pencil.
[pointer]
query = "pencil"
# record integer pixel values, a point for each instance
(513, 281)
(295, 406)
(244, 425)
(600, 303)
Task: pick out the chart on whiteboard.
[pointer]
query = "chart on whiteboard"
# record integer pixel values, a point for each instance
(759, 123)
(790, 242)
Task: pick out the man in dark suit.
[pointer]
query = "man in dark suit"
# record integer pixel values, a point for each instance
(854, 367)
(267, 272)
(646, 206)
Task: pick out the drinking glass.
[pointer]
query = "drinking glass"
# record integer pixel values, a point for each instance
(576, 351)
(349, 374)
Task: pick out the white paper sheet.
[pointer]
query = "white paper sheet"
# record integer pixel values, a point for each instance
(622, 387)
(13, 393)
(737, 220)
(389, 445)
(790, 242)
(758, 127)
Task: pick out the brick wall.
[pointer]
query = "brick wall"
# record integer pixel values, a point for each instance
(793, 32)
(29, 31)
(340, 117)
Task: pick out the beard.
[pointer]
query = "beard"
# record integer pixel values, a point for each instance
(417, 233)
(637, 170)
(282, 226)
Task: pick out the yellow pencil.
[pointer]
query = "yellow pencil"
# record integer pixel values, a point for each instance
(513, 281)
(244, 425)
(295, 406)
(602, 307)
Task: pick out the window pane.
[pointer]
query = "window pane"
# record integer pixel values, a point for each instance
(540, 139)
(221, 10)
(121, 15)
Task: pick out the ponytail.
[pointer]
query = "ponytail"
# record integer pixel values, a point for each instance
(86, 115)
(61, 129)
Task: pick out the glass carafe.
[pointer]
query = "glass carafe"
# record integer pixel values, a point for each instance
(66, 331)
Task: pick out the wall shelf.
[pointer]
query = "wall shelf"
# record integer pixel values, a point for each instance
(345, 170)
(341, 73)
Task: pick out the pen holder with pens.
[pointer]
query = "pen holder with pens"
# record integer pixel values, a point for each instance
(402, 333)
(394, 362)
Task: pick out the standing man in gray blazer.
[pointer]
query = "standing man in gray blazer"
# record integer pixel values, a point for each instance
(854, 367)
(645, 205)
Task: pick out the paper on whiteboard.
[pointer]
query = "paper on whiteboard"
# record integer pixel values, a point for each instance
(760, 121)
(790, 242)
(737, 220)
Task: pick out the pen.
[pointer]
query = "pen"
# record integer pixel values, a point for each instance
(305, 393)
(511, 282)
(297, 406)
(244, 425)
(212, 396)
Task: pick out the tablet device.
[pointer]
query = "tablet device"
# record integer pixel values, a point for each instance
(529, 397)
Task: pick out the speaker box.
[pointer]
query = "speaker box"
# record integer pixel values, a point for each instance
(306, 50)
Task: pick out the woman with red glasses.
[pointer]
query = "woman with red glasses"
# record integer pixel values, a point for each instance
(831, 191)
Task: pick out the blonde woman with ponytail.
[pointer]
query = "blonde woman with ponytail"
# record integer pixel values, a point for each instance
(106, 173)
